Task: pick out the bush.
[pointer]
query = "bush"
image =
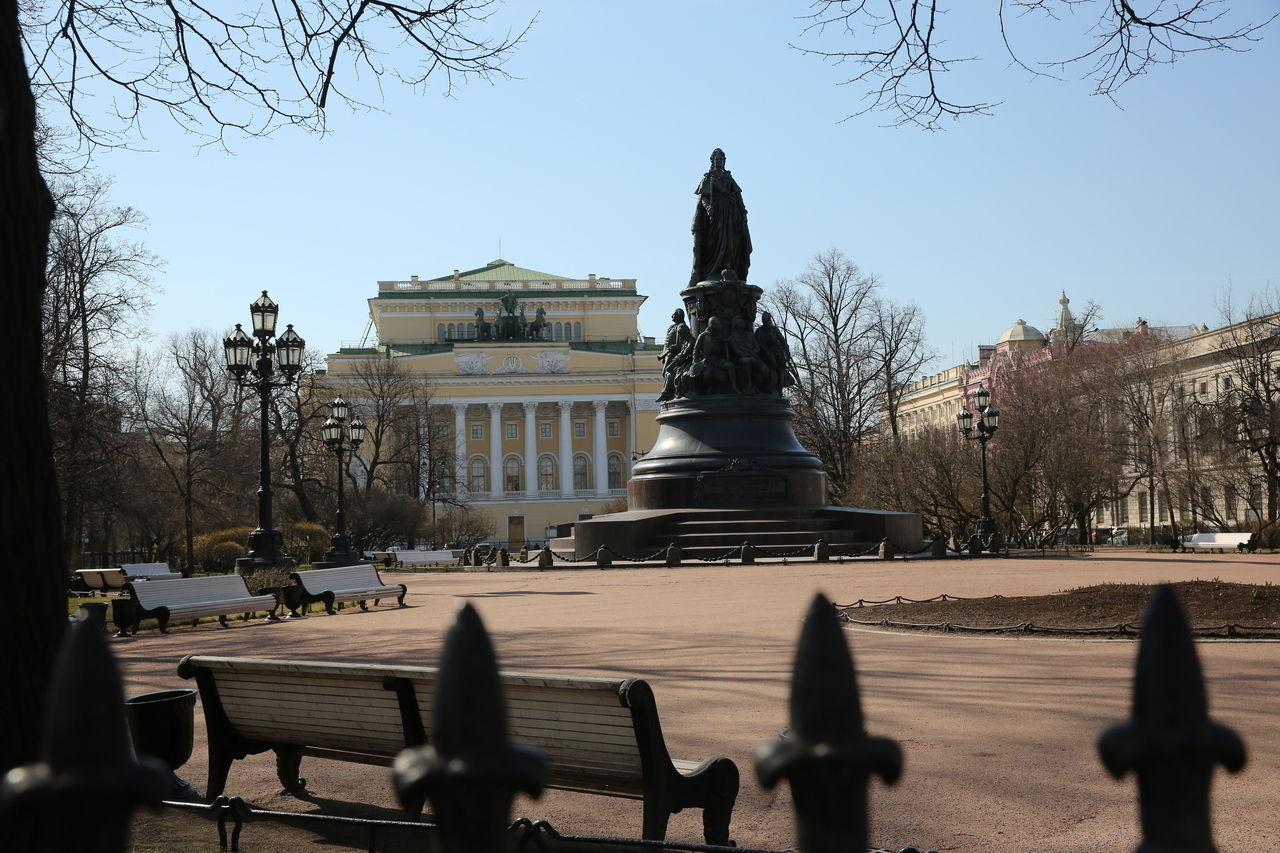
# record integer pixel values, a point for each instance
(206, 560)
(225, 554)
(306, 541)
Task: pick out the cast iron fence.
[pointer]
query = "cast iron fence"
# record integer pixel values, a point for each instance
(470, 770)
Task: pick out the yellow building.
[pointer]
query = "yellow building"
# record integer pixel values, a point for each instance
(544, 427)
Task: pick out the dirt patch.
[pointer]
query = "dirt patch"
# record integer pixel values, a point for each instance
(1207, 604)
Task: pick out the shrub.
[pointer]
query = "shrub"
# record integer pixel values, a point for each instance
(224, 555)
(306, 541)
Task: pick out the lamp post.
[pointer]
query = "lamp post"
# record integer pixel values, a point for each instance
(336, 438)
(988, 423)
(262, 363)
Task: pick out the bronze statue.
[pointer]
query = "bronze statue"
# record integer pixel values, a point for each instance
(775, 353)
(721, 241)
(712, 370)
(677, 350)
(751, 372)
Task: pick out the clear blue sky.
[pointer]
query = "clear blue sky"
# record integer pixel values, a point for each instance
(587, 164)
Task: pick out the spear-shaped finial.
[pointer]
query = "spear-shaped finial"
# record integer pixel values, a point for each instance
(469, 771)
(1169, 741)
(826, 754)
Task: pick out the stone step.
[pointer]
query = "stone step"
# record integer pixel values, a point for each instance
(761, 538)
(752, 525)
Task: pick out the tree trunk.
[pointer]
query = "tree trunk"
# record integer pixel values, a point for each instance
(31, 524)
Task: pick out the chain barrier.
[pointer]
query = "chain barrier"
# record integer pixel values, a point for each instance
(902, 599)
(722, 557)
(1127, 629)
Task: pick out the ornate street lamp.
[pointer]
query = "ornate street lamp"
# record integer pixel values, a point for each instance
(261, 364)
(337, 439)
(988, 423)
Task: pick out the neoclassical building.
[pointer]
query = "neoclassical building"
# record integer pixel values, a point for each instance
(545, 423)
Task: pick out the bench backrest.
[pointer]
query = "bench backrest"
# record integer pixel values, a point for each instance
(359, 576)
(190, 591)
(424, 556)
(1219, 538)
(581, 723)
(103, 579)
(142, 570)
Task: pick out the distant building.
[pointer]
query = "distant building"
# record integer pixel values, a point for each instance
(543, 429)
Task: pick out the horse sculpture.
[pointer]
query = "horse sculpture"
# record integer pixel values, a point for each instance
(539, 328)
(484, 329)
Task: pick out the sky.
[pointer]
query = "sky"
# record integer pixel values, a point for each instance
(586, 162)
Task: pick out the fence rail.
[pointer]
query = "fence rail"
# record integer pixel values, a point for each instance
(470, 770)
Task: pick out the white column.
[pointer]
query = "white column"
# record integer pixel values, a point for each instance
(566, 449)
(628, 461)
(531, 449)
(460, 445)
(495, 449)
(600, 462)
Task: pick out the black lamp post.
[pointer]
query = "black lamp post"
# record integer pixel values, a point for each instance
(988, 423)
(338, 439)
(262, 364)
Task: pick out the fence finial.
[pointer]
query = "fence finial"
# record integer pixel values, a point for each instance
(470, 771)
(826, 754)
(1169, 741)
(86, 765)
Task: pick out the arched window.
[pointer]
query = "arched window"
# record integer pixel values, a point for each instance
(440, 334)
(577, 331)
(511, 474)
(615, 471)
(547, 474)
(451, 330)
(479, 475)
(471, 331)
(581, 473)
(559, 332)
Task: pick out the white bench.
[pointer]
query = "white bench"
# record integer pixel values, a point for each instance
(600, 735)
(359, 583)
(192, 598)
(424, 558)
(103, 580)
(149, 571)
(1220, 542)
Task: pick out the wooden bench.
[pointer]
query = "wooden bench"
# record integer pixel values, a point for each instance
(1221, 541)
(103, 580)
(358, 583)
(600, 735)
(192, 598)
(149, 571)
(424, 558)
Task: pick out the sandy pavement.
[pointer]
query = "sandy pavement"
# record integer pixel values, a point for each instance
(998, 733)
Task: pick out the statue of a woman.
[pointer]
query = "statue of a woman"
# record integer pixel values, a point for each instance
(721, 240)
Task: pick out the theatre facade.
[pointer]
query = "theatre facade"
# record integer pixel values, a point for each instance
(549, 387)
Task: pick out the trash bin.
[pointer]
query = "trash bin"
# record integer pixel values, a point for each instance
(162, 725)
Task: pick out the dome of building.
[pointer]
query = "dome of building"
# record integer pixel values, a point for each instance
(1020, 332)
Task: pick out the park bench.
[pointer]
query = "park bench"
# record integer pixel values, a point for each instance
(190, 598)
(424, 558)
(149, 571)
(1221, 541)
(600, 735)
(359, 583)
(103, 580)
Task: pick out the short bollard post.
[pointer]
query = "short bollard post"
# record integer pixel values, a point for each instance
(604, 557)
(748, 554)
(822, 552)
(887, 551)
(938, 548)
(504, 559)
(524, 554)
(545, 559)
(673, 555)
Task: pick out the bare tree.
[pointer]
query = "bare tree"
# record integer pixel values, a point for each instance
(103, 64)
(898, 351)
(898, 46)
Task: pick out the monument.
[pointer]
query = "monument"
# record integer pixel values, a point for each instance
(726, 466)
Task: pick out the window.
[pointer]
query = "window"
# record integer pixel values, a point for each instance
(1204, 387)
(615, 472)
(451, 330)
(615, 429)
(479, 476)
(544, 429)
(471, 331)
(511, 474)
(1121, 513)
(546, 474)
(581, 473)
(1229, 499)
(477, 431)
(1206, 501)
(1142, 506)
(1227, 382)
(579, 429)
(440, 333)
(577, 332)
(559, 333)
(1255, 498)
(513, 429)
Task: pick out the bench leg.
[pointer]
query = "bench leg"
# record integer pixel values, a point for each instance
(328, 602)
(656, 816)
(222, 621)
(162, 617)
(364, 605)
(400, 598)
(722, 794)
(288, 761)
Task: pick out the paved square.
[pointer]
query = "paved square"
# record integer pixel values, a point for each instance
(998, 733)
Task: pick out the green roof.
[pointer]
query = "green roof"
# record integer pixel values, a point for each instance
(615, 347)
(501, 270)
